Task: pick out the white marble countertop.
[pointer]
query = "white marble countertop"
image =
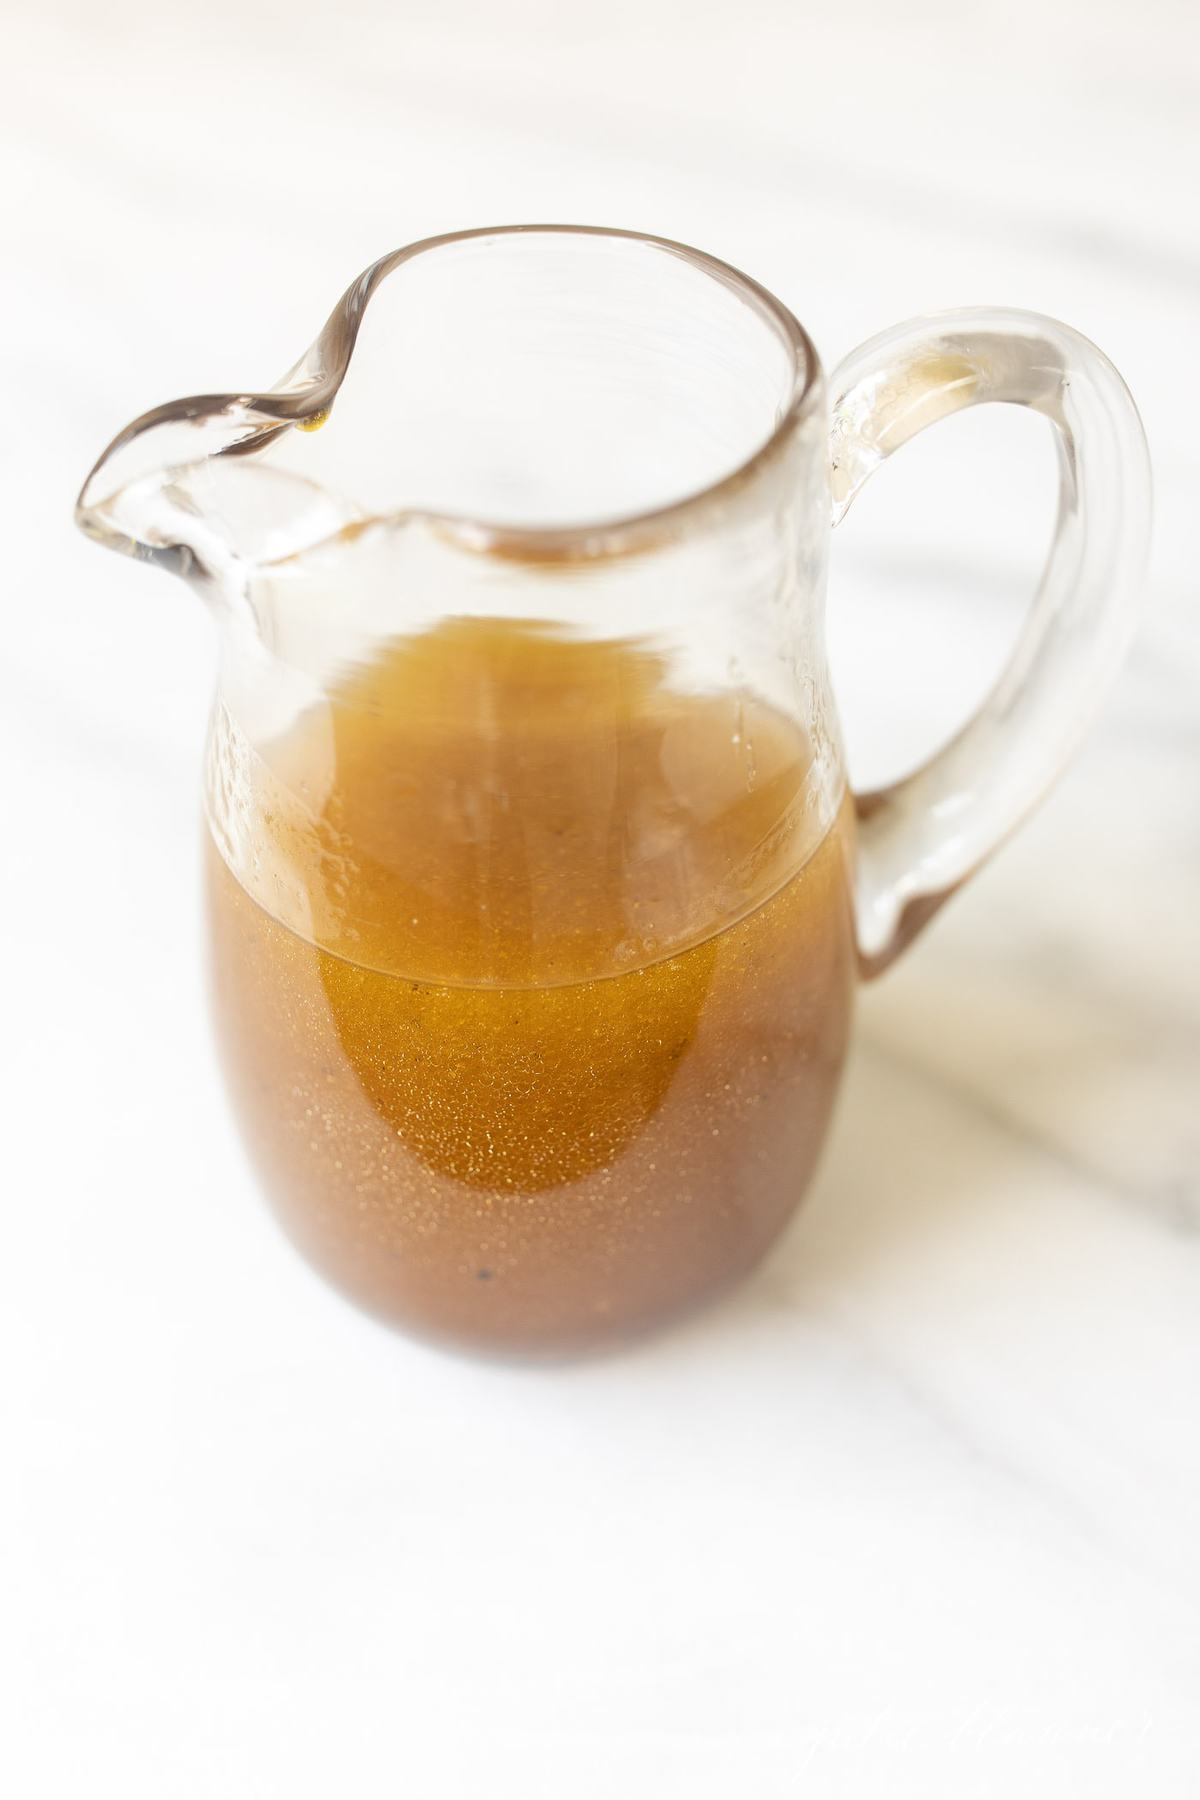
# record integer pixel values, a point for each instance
(918, 1511)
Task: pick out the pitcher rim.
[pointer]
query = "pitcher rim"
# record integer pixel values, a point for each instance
(306, 394)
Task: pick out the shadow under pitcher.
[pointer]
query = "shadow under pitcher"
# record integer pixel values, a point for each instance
(536, 895)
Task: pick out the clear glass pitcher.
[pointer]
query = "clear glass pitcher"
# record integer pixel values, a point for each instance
(536, 894)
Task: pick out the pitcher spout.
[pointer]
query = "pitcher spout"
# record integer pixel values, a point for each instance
(184, 486)
(175, 488)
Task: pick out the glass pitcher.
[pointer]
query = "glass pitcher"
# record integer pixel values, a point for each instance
(536, 894)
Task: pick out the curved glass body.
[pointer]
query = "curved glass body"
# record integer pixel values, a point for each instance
(532, 874)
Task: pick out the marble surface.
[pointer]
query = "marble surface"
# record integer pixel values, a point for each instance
(918, 1510)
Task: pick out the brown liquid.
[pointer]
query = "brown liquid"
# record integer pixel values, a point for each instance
(568, 1059)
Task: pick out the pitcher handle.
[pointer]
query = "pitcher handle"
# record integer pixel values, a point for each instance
(921, 838)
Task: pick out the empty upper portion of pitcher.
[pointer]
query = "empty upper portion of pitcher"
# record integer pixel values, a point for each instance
(606, 431)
